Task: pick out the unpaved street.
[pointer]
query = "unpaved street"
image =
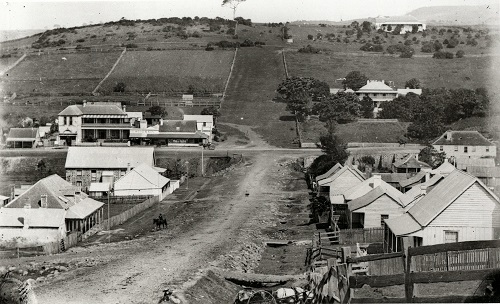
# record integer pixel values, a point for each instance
(137, 271)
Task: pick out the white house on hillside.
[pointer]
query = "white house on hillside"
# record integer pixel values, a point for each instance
(204, 124)
(407, 23)
(465, 144)
(143, 180)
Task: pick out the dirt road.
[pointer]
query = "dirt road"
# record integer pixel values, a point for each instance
(136, 271)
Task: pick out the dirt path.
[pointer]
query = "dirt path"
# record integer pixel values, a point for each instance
(137, 271)
(255, 139)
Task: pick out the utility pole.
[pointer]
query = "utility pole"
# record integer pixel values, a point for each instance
(202, 148)
(187, 175)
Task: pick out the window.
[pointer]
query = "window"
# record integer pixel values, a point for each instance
(451, 236)
(473, 148)
(441, 148)
(204, 124)
(466, 149)
(78, 172)
(382, 218)
(79, 183)
(384, 94)
(487, 149)
(456, 148)
(417, 241)
(93, 175)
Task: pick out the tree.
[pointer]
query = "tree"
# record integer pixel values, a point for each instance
(368, 161)
(339, 108)
(431, 156)
(460, 54)
(333, 147)
(414, 29)
(300, 105)
(407, 52)
(317, 90)
(212, 110)
(354, 80)
(354, 24)
(119, 87)
(413, 83)
(397, 30)
(233, 4)
(158, 110)
(367, 26)
(380, 166)
(428, 122)
(366, 107)
(437, 46)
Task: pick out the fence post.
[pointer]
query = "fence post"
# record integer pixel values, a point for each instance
(409, 286)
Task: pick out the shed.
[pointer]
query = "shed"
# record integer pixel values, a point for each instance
(23, 138)
(143, 180)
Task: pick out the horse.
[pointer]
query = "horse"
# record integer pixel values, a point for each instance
(160, 222)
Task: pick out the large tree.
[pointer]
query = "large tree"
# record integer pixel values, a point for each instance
(366, 107)
(335, 152)
(300, 104)
(212, 110)
(431, 156)
(339, 108)
(316, 89)
(158, 110)
(233, 4)
(355, 80)
(413, 83)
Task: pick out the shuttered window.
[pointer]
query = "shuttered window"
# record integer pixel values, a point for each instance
(451, 236)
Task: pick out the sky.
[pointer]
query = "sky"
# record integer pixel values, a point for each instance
(39, 14)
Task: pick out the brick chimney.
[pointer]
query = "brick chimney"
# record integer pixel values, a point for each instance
(12, 192)
(124, 108)
(84, 103)
(423, 189)
(128, 167)
(377, 180)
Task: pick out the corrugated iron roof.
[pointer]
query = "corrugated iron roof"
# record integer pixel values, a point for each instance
(463, 138)
(464, 162)
(18, 133)
(366, 186)
(200, 118)
(411, 195)
(413, 180)
(56, 189)
(444, 169)
(481, 171)
(412, 162)
(374, 85)
(141, 177)
(72, 110)
(329, 172)
(99, 187)
(39, 217)
(373, 195)
(402, 225)
(339, 172)
(178, 126)
(83, 209)
(436, 200)
(393, 177)
(108, 157)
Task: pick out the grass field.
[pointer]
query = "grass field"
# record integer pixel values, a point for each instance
(300, 33)
(471, 72)
(6, 62)
(249, 100)
(173, 70)
(79, 73)
(375, 132)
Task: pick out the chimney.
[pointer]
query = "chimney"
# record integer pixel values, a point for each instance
(143, 124)
(124, 108)
(12, 192)
(84, 103)
(128, 167)
(43, 201)
(423, 189)
(377, 180)
(27, 208)
(448, 135)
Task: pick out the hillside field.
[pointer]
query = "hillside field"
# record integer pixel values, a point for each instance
(79, 73)
(172, 70)
(467, 72)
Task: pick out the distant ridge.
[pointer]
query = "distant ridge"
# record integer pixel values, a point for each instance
(459, 15)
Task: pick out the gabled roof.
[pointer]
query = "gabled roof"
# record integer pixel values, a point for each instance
(20, 133)
(40, 217)
(366, 186)
(484, 172)
(200, 118)
(415, 192)
(465, 162)
(444, 169)
(83, 209)
(442, 195)
(178, 126)
(72, 110)
(375, 85)
(410, 161)
(60, 194)
(329, 173)
(338, 174)
(413, 180)
(393, 177)
(373, 195)
(108, 157)
(141, 177)
(463, 138)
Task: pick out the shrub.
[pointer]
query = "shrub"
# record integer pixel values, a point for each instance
(230, 31)
(310, 37)
(407, 52)
(131, 45)
(309, 49)
(427, 48)
(408, 42)
(226, 44)
(119, 87)
(443, 55)
(80, 40)
(368, 47)
(460, 54)
(247, 43)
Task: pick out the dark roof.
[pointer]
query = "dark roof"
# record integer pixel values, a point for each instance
(393, 177)
(178, 126)
(330, 172)
(411, 162)
(463, 138)
(23, 133)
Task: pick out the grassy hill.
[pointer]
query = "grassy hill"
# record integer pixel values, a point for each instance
(459, 15)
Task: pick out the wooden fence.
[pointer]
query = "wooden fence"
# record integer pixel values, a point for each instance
(363, 235)
(130, 199)
(465, 261)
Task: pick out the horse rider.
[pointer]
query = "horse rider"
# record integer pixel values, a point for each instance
(160, 218)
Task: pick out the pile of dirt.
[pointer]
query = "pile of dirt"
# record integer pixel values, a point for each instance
(211, 288)
(244, 257)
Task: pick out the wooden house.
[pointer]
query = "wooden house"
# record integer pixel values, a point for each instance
(459, 208)
(410, 165)
(23, 138)
(321, 182)
(141, 181)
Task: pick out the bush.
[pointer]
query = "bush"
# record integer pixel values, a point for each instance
(407, 52)
(119, 87)
(460, 54)
(427, 48)
(443, 55)
(227, 44)
(372, 48)
(247, 43)
(310, 37)
(131, 46)
(309, 49)
(230, 31)
(80, 40)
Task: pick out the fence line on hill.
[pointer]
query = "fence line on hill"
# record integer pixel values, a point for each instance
(284, 63)
(110, 71)
(229, 76)
(8, 68)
